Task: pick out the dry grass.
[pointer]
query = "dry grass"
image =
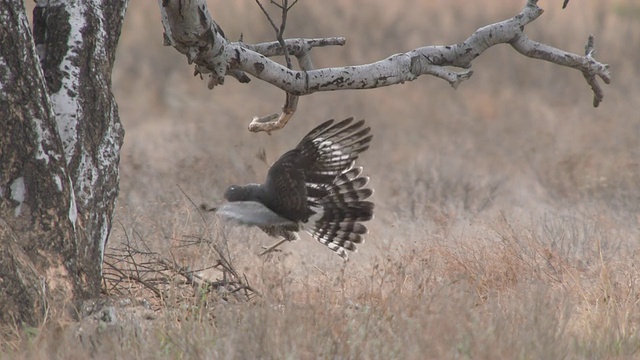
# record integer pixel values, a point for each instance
(507, 211)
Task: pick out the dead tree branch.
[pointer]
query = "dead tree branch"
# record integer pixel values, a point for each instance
(133, 265)
(190, 28)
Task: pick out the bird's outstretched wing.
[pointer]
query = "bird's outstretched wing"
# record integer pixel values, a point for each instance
(302, 176)
(329, 150)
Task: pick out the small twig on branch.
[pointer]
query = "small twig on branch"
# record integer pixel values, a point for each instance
(273, 122)
(296, 47)
(598, 94)
(270, 122)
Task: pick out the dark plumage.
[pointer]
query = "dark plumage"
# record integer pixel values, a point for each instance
(313, 187)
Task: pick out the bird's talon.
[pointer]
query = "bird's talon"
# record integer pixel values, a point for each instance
(267, 249)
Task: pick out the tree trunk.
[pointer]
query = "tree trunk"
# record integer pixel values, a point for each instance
(59, 152)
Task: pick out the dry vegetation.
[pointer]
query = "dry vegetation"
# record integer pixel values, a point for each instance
(507, 211)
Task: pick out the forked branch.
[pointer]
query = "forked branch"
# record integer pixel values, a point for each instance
(190, 28)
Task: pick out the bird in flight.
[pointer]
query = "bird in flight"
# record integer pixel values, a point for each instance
(314, 187)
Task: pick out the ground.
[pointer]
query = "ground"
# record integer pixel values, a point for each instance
(507, 210)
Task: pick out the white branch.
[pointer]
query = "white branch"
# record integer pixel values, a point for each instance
(190, 28)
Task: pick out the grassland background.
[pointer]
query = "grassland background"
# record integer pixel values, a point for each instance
(506, 211)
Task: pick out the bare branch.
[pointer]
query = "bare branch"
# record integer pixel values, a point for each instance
(266, 14)
(587, 64)
(134, 265)
(273, 122)
(193, 32)
(598, 94)
(296, 47)
(280, 32)
(270, 122)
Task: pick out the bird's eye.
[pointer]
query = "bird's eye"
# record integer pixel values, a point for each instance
(232, 193)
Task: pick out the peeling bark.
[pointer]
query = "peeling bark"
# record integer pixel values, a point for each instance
(59, 152)
(77, 61)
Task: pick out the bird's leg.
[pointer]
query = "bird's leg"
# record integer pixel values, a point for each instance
(272, 247)
(286, 236)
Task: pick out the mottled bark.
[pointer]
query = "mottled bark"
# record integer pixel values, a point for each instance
(78, 76)
(59, 152)
(190, 28)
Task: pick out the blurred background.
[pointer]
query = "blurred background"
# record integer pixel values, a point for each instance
(507, 210)
(519, 140)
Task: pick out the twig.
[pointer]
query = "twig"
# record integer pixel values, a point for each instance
(590, 76)
(134, 262)
(268, 123)
(224, 260)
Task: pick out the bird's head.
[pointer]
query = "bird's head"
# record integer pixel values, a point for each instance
(239, 193)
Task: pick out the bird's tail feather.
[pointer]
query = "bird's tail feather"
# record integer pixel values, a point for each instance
(339, 215)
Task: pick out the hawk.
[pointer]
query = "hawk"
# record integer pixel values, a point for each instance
(314, 187)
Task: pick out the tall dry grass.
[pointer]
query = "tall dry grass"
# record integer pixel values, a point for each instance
(507, 210)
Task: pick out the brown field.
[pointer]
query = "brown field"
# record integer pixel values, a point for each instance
(507, 211)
